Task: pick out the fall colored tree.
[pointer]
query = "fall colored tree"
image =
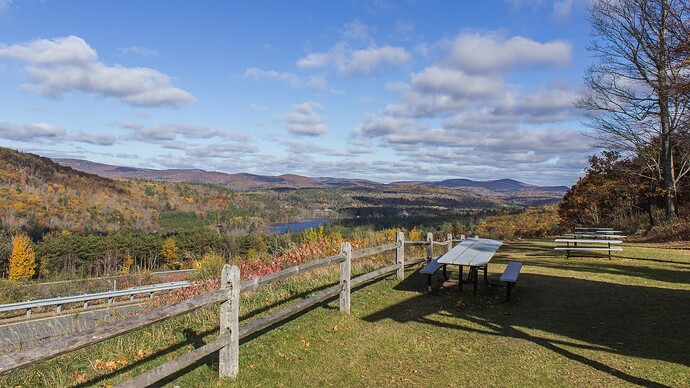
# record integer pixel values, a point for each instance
(23, 258)
(170, 252)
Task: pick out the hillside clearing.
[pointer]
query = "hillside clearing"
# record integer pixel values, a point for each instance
(580, 321)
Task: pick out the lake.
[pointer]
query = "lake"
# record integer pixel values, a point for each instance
(295, 226)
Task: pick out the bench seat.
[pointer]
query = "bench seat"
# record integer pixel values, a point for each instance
(588, 241)
(589, 248)
(510, 276)
(430, 269)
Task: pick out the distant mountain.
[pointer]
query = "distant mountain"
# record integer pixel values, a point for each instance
(503, 190)
(500, 185)
(239, 181)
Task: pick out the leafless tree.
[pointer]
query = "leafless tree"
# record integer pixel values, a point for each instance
(635, 99)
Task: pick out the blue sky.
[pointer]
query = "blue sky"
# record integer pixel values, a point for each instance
(381, 90)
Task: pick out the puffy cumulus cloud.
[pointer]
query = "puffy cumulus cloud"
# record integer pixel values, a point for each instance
(62, 65)
(437, 90)
(169, 132)
(384, 125)
(488, 53)
(303, 120)
(354, 62)
(356, 53)
(31, 132)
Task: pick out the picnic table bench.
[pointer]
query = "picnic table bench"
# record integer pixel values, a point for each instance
(589, 242)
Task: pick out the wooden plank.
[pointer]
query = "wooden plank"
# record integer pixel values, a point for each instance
(254, 284)
(373, 250)
(229, 360)
(457, 250)
(54, 348)
(485, 251)
(160, 372)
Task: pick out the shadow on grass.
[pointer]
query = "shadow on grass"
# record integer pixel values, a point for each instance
(192, 337)
(632, 320)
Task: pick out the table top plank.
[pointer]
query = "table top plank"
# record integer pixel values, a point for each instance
(472, 252)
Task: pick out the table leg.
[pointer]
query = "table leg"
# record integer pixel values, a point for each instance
(486, 278)
(475, 276)
(460, 280)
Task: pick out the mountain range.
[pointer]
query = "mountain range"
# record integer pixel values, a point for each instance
(509, 190)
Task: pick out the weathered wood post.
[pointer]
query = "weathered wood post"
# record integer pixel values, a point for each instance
(430, 247)
(345, 269)
(449, 238)
(400, 254)
(462, 237)
(228, 364)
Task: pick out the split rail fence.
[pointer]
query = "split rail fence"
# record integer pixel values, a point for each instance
(227, 342)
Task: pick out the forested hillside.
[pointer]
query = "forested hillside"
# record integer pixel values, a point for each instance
(38, 194)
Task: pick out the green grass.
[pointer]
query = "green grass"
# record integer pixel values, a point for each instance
(584, 321)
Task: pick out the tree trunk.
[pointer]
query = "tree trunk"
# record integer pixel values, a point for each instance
(668, 178)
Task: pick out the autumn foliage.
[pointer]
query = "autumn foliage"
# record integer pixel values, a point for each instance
(23, 259)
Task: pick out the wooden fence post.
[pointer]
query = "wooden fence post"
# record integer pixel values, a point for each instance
(430, 247)
(228, 364)
(345, 269)
(449, 238)
(400, 254)
(462, 237)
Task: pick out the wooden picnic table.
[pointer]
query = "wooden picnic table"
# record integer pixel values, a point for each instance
(474, 253)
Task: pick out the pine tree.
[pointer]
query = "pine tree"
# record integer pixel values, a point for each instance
(23, 259)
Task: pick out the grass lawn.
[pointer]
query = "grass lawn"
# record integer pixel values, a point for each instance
(583, 321)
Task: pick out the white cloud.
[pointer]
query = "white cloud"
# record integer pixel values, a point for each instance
(488, 53)
(303, 120)
(349, 61)
(31, 132)
(62, 65)
(100, 139)
(169, 132)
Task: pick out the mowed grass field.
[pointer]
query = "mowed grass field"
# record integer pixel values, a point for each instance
(583, 321)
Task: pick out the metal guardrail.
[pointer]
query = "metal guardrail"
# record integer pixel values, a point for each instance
(86, 298)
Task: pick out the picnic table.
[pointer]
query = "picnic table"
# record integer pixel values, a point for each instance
(474, 253)
(591, 239)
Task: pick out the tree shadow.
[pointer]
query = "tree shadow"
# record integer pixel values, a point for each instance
(631, 320)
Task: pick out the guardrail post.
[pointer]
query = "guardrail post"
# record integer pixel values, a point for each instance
(430, 247)
(400, 254)
(228, 363)
(449, 238)
(28, 313)
(345, 269)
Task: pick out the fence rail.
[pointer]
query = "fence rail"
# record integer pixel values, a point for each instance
(227, 342)
(86, 298)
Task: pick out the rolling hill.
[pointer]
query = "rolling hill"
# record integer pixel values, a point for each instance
(506, 190)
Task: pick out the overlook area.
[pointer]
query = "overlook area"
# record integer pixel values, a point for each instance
(571, 322)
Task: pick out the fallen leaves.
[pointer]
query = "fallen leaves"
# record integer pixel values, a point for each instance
(110, 365)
